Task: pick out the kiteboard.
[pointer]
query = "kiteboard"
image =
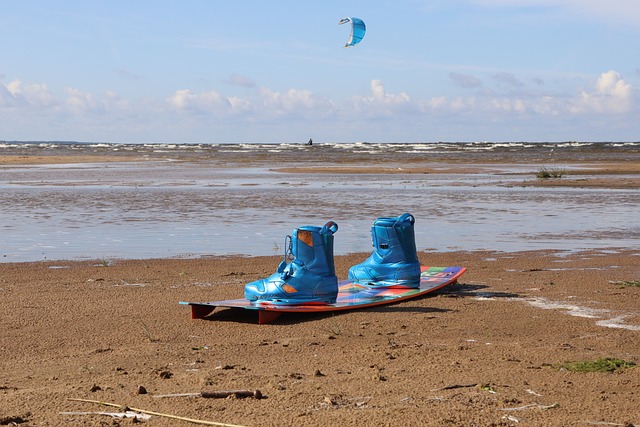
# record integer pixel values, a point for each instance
(350, 296)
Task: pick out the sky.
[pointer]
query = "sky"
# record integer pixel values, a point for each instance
(209, 71)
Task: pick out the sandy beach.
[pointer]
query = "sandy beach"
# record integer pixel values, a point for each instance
(488, 351)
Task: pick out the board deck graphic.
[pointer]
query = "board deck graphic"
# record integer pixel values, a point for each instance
(350, 296)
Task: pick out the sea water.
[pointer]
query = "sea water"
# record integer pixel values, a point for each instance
(193, 200)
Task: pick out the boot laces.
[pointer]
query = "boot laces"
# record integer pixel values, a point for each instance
(288, 257)
(288, 248)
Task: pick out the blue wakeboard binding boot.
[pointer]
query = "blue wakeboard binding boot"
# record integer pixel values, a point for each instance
(307, 273)
(394, 261)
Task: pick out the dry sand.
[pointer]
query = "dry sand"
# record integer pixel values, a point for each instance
(483, 352)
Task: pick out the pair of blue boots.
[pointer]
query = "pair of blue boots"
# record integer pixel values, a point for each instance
(307, 273)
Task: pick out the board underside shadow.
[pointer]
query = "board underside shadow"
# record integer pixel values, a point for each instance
(351, 296)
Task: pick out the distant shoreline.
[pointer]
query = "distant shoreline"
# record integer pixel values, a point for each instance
(614, 175)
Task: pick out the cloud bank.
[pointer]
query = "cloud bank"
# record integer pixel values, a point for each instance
(257, 114)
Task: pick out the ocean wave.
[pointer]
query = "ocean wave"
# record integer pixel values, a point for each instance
(473, 150)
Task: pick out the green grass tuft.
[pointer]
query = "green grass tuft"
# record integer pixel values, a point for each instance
(604, 364)
(545, 173)
(147, 332)
(629, 283)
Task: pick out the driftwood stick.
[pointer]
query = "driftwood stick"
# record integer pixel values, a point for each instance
(226, 393)
(125, 414)
(216, 394)
(454, 386)
(159, 414)
(530, 406)
(161, 396)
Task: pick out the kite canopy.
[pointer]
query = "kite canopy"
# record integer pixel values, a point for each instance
(357, 30)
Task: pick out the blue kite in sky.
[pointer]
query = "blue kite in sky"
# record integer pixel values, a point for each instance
(357, 30)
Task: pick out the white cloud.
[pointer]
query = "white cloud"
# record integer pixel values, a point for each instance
(240, 104)
(16, 94)
(434, 103)
(611, 83)
(181, 98)
(267, 103)
(534, 108)
(380, 94)
(294, 101)
(547, 105)
(380, 104)
(81, 102)
(610, 95)
(460, 104)
(184, 99)
(507, 105)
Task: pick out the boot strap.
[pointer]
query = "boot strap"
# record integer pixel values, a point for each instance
(330, 227)
(404, 217)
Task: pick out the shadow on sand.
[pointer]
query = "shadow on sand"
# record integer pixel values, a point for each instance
(457, 290)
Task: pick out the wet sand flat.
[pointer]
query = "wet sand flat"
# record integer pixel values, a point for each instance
(155, 202)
